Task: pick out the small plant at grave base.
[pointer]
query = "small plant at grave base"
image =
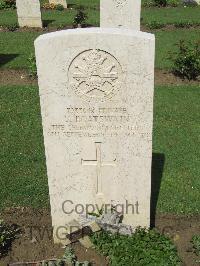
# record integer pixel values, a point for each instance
(186, 62)
(186, 24)
(13, 27)
(148, 3)
(155, 25)
(59, 7)
(61, 26)
(7, 235)
(173, 3)
(69, 258)
(144, 247)
(32, 69)
(10, 3)
(183, 24)
(160, 3)
(2, 5)
(80, 17)
(196, 244)
(6, 4)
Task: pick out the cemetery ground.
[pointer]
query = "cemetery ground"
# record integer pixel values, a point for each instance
(175, 171)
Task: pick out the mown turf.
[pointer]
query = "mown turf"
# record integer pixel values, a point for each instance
(17, 46)
(176, 137)
(59, 18)
(171, 15)
(166, 44)
(52, 18)
(23, 178)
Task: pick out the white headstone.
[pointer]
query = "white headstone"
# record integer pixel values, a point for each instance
(29, 14)
(59, 2)
(96, 93)
(120, 14)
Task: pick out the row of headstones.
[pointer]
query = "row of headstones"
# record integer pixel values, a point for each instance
(29, 12)
(96, 94)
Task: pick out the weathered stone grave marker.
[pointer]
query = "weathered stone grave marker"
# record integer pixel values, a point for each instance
(59, 2)
(96, 94)
(29, 14)
(120, 14)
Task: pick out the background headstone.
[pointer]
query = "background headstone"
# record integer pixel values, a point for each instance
(96, 94)
(59, 2)
(29, 14)
(120, 14)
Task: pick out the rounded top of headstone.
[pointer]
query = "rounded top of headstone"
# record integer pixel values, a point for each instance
(109, 31)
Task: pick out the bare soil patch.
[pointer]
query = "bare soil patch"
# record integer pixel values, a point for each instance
(21, 77)
(164, 77)
(181, 229)
(35, 242)
(169, 27)
(45, 29)
(15, 77)
(49, 28)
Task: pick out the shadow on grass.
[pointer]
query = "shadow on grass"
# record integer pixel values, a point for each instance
(47, 22)
(158, 161)
(71, 5)
(5, 58)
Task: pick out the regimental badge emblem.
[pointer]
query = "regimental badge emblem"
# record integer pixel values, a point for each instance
(120, 3)
(95, 75)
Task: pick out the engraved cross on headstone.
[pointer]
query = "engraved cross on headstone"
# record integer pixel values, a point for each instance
(98, 163)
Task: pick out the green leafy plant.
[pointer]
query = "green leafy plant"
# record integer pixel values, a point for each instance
(155, 25)
(173, 3)
(144, 247)
(2, 5)
(32, 68)
(7, 235)
(148, 3)
(6, 4)
(184, 24)
(69, 258)
(13, 27)
(186, 61)
(196, 244)
(160, 3)
(59, 7)
(80, 16)
(10, 3)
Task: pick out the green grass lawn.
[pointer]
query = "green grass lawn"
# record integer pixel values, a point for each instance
(52, 18)
(166, 43)
(17, 46)
(22, 173)
(20, 45)
(171, 15)
(177, 136)
(57, 18)
(23, 177)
